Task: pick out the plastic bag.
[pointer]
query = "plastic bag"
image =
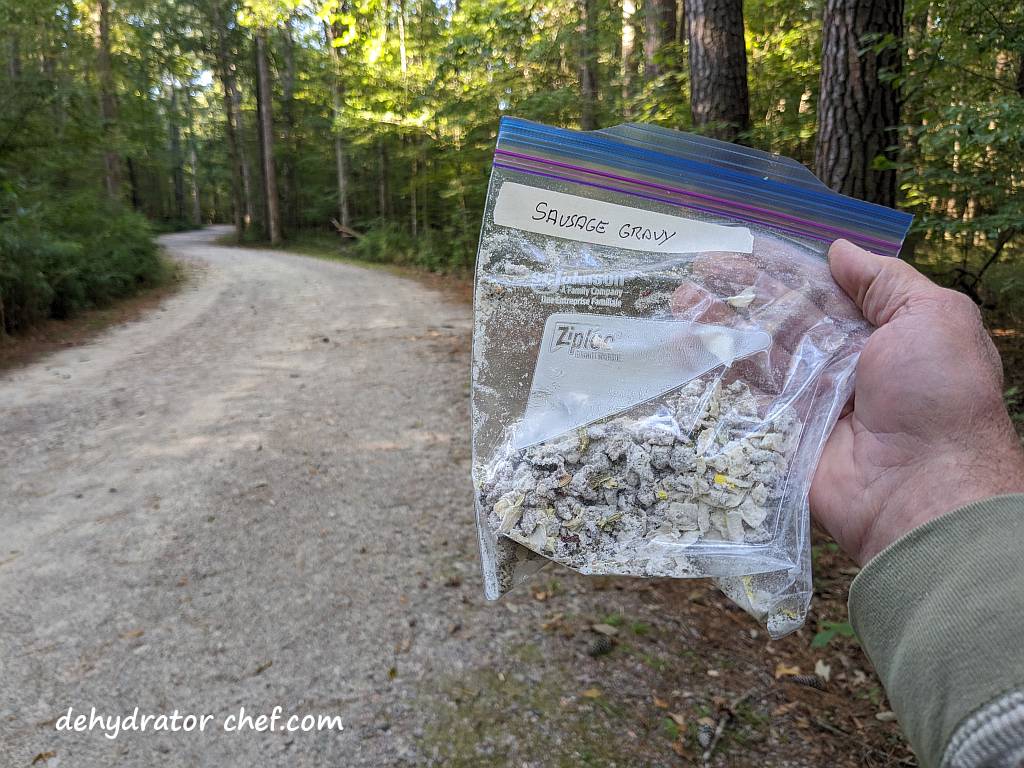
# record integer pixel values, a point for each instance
(659, 353)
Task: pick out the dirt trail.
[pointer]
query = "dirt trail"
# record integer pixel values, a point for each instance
(258, 496)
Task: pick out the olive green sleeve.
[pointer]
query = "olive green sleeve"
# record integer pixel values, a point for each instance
(940, 613)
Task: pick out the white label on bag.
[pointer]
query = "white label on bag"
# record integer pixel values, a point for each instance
(594, 366)
(595, 221)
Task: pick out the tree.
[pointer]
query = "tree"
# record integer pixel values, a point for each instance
(859, 99)
(659, 30)
(340, 165)
(719, 100)
(108, 99)
(265, 110)
(177, 159)
(588, 65)
(241, 196)
(628, 45)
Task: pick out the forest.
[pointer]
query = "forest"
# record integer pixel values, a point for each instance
(290, 119)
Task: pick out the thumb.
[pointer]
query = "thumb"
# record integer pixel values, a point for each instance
(880, 285)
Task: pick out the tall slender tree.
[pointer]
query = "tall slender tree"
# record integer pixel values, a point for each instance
(177, 159)
(241, 203)
(340, 161)
(859, 99)
(659, 30)
(719, 100)
(588, 65)
(265, 110)
(108, 99)
(628, 46)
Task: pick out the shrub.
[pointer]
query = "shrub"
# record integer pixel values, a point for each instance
(57, 259)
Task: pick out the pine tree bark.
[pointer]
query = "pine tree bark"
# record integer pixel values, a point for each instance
(858, 104)
(266, 132)
(719, 100)
(659, 29)
(588, 66)
(108, 100)
(340, 163)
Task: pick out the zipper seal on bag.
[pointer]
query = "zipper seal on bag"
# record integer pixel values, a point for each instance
(600, 161)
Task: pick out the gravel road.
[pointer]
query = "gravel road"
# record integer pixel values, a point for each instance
(234, 502)
(258, 496)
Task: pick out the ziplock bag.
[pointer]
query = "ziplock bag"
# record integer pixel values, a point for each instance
(659, 353)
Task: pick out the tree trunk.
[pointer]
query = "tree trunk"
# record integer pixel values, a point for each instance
(290, 193)
(231, 131)
(412, 189)
(339, 145)
(859, 105)
(243, 155)
(108, 100)
(628, 46)
(197, 212)
(266, 131)
(133, 183)
(383, 174)
(177, 161)
(14, 59)
(659, 29)
(588, 66)
(719, 100)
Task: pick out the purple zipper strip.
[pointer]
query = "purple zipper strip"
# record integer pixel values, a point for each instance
(777, 227)
(889, 245)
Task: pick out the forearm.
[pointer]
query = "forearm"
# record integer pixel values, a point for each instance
(939, 614)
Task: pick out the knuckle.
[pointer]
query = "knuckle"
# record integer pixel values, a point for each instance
(961, 305)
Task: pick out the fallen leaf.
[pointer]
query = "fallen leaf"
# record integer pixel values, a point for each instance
(885, 716)
(680, 749)
(783, 670)
(132, 634)
(591, 693)
(823, 670)
(605, 629)
(43, 757)
(392, 673)
(660, 703)
(555, 622)
(784, 709)
(678, 719)
(714, 673)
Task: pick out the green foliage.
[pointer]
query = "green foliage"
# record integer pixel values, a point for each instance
(829, 630)
(413, 92)
(61, 258)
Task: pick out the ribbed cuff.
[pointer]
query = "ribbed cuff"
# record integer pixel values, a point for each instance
(939, 613)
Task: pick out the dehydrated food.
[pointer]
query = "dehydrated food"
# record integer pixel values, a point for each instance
(630, 495)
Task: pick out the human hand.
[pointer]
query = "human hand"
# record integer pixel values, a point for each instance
(928, 431)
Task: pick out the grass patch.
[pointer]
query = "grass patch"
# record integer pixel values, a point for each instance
(487, 718)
